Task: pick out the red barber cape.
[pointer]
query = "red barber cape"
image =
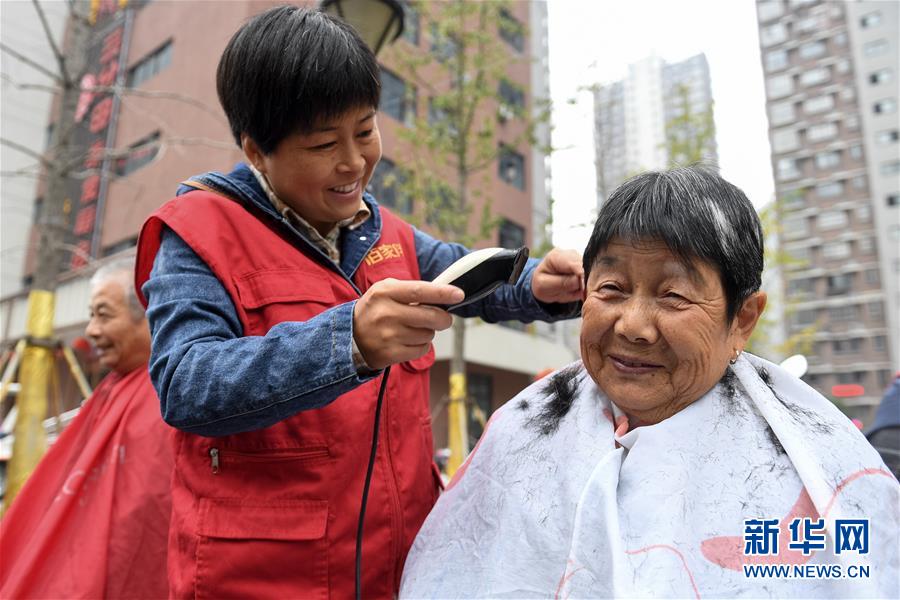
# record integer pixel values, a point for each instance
(92, 521)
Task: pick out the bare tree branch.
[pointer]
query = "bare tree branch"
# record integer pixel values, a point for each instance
(127, 91)
(60, 59)
(26, 150)
(21, 173)
(30, 63)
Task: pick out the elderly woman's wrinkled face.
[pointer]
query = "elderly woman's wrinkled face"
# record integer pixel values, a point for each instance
(655, 336)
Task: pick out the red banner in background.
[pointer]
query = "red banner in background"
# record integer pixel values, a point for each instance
(94, 116)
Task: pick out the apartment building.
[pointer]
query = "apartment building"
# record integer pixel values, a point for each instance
(831, 94)
(172, 127)
(633, 117)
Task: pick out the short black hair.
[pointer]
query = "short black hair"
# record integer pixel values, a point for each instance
(289, 68)
(696, 214)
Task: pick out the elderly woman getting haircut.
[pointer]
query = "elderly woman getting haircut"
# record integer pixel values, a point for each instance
(668, 462)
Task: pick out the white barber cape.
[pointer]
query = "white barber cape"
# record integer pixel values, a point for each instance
(560, 500)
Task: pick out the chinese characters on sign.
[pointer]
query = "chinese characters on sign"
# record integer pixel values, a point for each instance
(806, 535)
(94, 115)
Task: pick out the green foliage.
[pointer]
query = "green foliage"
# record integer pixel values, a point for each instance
(689, 133)
(778, 259)
(455, 143)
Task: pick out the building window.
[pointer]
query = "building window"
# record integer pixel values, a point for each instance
(815, 76)
(876, 311)
(855, 152)
(773, 34)
(830, 190)
(387, 187)
(511, 167)
(842, 314)
(888, 136)
(511, 30)
(875, 48)
(150, 65)
(890, 168)
(879, 343)
(810, 23)
(865, 245)
(779, 86)
(833, 219)
(411, 21)
(885, 106)
(800, 255)
(872, 277)
(881, 76)
(796, 226)
(863, 213)
(512, 100)
(769, 9)
(511, 235)
(892, 200)
(139, 154)
(852, 377)
(781, 113)
(804, 317)
(870, 20)
(441, 117)
(818, 104)
(803, 286)
(37, 210)
(851, 346)
(839, 284)
(836, 250)
(828, 160)
(48, 135)
(443, 46)
(822, 131)
(859, 182)
(776, 60)
(787, 169)
(398, 99)
(785, 140)
(812, 50)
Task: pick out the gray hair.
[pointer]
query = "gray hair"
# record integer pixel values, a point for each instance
(121, 270)
(698, 215)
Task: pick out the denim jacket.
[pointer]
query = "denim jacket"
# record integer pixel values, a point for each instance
(212, 380)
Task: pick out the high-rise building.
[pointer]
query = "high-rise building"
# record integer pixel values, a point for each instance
(167, 125)
(634, 117)
(830, 70)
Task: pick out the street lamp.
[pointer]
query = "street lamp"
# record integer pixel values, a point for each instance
(378, 22)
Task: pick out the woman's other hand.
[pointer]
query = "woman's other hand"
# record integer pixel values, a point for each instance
(559, 277)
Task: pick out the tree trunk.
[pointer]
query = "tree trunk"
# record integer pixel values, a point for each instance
(37, 361)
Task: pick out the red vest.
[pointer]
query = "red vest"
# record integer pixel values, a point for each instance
(278, 517)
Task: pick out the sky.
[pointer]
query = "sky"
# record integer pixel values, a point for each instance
(594, 41)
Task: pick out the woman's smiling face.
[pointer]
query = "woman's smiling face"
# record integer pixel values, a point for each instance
(654, 335)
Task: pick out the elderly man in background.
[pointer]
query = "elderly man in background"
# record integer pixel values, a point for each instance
(92, 520)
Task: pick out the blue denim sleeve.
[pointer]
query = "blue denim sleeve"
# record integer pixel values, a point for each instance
(211, 379)
(508, 303)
